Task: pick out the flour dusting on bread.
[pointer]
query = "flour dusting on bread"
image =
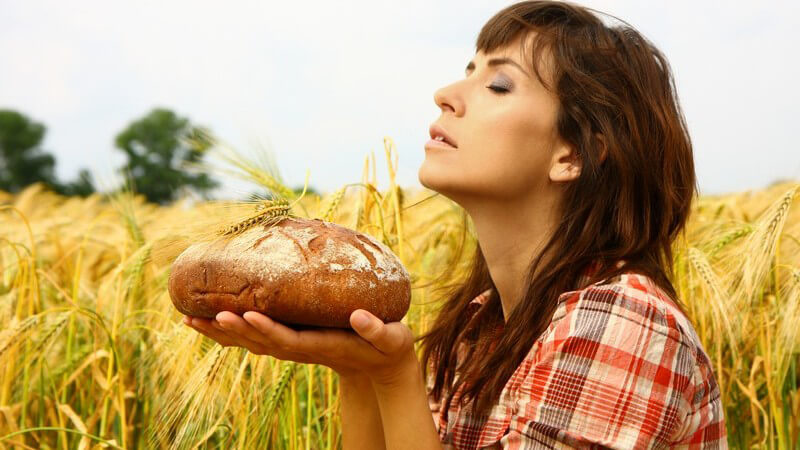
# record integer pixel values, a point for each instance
(285, 249)
(301, 270)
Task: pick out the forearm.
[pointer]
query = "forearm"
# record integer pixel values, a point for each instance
(406, 414)
(361, 419)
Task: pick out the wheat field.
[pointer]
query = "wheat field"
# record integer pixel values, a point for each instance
(93, 354)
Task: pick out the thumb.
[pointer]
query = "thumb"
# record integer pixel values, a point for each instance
(386, 338)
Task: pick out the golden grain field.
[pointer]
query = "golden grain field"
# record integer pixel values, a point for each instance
(93, 354)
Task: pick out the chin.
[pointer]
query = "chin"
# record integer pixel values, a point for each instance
(438, 183)
(428, 179)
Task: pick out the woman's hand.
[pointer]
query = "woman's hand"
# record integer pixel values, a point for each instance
(382, 351)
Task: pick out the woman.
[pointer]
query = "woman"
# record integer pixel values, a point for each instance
(569, 152)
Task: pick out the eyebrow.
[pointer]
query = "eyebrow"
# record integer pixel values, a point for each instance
(497, 62)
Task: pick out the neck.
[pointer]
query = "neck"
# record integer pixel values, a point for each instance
(511, 235)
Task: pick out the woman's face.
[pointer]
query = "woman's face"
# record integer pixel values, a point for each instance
(502, 120)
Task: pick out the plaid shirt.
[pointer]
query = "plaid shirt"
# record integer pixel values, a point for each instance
(619, 366)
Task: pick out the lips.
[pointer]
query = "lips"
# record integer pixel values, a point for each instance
(433, 143)
(436, 131)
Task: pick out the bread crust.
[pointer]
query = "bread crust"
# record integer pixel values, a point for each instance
(305, 272)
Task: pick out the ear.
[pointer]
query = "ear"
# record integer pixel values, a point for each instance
(566, 165)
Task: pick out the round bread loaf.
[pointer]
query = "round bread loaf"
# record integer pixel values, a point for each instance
(297, 271)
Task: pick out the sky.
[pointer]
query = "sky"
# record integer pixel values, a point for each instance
(320, 84)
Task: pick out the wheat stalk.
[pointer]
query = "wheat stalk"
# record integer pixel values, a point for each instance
(748, 273)
(722, 316)
(267, 214)
(53, 328)
(730, 237)
(18, 333)
(328, 215)
(198, 400)
(778, 217)
(277, 391)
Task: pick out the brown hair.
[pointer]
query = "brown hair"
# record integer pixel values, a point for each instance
(630, 201)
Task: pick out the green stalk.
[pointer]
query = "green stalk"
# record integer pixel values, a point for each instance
(292, 430)
(315, 408)
(41, 393)
(25, 378)
(776, 403)
(70, 333)
(793, 425)
(111, 360)
(90, 436)
(329, 403)
(309, 402)
(246, 420)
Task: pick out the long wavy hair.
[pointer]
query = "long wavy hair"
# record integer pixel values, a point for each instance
(631, 200)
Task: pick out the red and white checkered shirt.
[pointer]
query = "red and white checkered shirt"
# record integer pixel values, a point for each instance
(619, 366)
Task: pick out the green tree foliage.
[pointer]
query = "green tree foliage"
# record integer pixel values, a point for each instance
(158, 148)
(83, 186)
(309, 190)
(22, 162)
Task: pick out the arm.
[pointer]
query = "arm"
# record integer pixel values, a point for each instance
(406, 412)
(361, 418)
(382, 351)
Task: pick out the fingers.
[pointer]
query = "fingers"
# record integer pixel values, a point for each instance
(373, 344)
(234, 324)
(281, 335)
(226, 338)
(309, 341)
(204, 327)
(254, 340)
(387, 338)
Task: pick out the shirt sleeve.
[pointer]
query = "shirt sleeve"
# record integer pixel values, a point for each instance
(614, 371)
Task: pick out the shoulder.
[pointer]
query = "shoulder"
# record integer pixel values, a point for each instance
(628, 305)
(623, 345)
(631, 318)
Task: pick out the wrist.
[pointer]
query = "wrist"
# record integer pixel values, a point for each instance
(358, 380)
(401, 377)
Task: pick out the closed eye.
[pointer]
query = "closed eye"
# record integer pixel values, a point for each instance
(498, 89)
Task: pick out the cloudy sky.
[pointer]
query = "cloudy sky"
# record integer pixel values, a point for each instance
(321, 83)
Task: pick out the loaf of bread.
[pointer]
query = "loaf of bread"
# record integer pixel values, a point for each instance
(300, 272)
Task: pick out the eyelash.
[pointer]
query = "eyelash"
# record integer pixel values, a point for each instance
(499, 89)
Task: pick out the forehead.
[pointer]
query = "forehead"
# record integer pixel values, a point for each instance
(523, 50)
(518, 48)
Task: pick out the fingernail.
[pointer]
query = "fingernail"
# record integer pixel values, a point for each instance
(361, 319)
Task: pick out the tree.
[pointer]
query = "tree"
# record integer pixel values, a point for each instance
(309, 190)
(83, 186)
(157, 149)
(22, 162)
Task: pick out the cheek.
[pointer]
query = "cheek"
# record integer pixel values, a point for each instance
(513, 172)
(516, 157)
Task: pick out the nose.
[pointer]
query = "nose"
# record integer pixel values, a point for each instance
(446, 99)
